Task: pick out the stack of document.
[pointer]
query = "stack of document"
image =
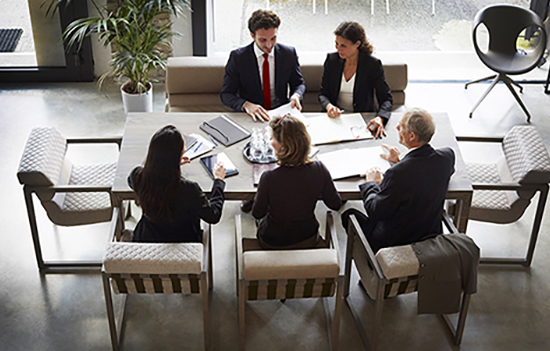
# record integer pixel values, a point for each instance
(349, 163)
(326, 130)
(286, 109)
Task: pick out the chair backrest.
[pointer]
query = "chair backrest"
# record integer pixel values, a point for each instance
(143, 268)
(505, 23)
(526, 156)
(43, 159)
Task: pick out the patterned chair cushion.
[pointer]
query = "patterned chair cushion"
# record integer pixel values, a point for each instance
(526, 155)
(495, 205)
(399, 265)
(291, 264)
(42, 158)
(143, 258)
(82, 208)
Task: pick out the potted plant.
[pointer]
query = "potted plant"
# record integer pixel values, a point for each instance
(137, 42)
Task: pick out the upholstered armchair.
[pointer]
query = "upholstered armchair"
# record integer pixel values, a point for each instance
(289, 274)
(71, 194)
(503, 190)
(145, 268)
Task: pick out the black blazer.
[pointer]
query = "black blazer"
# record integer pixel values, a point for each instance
(369, 78)
(408, 204)
(242, 82)
(190, 206)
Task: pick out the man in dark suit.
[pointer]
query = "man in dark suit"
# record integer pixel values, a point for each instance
(259, 76)
(406, 203)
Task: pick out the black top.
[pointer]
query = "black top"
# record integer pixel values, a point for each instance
(408, 204)
(191, 205)
(369, 78)
(288, 196)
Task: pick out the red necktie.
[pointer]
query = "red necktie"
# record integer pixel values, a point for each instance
(267, 89)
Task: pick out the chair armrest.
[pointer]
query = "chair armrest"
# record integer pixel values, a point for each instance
(206, 237)
(332, 239)
(480, 139)
(239, 246)
(498, 186)
(449, 223)
(105, 140)
(71, 188)
(356, 229)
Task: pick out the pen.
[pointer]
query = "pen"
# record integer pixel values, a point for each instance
(198, 146)
(340, 111)
(214, 141)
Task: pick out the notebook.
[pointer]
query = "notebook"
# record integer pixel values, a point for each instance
(225, 130)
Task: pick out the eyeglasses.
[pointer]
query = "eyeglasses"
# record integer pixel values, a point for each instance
(281, 120)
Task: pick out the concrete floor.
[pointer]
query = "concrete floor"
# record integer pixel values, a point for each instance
(511, 310)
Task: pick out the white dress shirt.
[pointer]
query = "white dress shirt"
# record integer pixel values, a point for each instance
(271, 59)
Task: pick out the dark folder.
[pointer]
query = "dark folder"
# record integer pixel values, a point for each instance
(225, 130)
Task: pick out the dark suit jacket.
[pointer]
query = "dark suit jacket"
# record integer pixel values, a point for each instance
(369, 78)
(408, 204)
(242, 82)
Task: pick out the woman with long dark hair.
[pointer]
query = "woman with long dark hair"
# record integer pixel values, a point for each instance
(352, 76)
(286, 197)
(172, 205)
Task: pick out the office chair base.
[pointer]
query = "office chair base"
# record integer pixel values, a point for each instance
(501, 77)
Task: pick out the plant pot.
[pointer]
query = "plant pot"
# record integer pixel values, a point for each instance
(137, 102)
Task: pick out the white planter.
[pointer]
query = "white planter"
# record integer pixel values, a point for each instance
(137, 102)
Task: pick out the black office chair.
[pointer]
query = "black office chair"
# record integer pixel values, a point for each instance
(504, 24)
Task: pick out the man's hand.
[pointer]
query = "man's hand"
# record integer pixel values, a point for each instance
(295, 102)
(374, 175)
(184, 160)
(376, 126)
(393, 153)
(333, 111)
(257, 112)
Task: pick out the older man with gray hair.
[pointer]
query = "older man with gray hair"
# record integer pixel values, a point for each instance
(406, 203)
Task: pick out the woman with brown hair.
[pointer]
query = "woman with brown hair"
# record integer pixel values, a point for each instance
(351, 77)
(286, 197)
(172, 205)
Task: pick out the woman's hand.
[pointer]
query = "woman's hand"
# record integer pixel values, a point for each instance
(184, 160)
(219, 171)
(333, 111)
(376, 126)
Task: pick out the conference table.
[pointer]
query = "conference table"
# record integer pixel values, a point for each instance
(140, 127)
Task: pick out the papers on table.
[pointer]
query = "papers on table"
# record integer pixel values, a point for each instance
(199, 147)
(348, 163)
(284, 109)
(325, 130)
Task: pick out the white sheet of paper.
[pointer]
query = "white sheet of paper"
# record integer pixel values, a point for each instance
(284, 109)
(326, 130)
(201, 147)
(348, 163)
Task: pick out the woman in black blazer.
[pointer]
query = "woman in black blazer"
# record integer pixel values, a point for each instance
(287, 196)
(363, 76)
(172, 205)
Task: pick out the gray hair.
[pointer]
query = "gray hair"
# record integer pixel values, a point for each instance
(421, 123)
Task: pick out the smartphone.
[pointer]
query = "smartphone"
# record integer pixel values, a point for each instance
(210, 161)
